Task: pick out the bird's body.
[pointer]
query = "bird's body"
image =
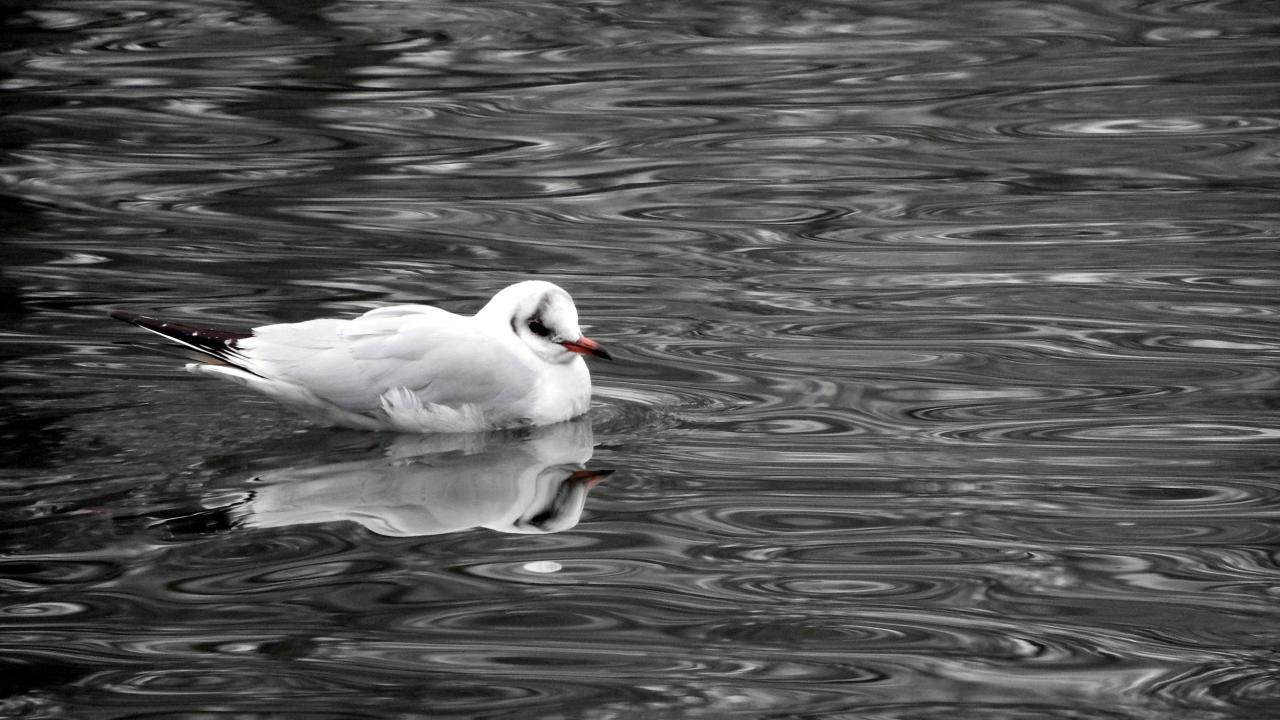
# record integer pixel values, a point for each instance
(413, 368)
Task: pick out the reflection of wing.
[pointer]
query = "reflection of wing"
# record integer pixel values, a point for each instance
(528, 484)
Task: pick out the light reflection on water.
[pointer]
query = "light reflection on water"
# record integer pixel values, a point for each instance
(534, 481)
(946, 338)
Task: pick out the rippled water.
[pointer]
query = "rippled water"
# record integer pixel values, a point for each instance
(946, 339)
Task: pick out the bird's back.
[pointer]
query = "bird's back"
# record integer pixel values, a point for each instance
(440, 358)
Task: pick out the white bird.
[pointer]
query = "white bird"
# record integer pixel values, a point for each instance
(412, 368)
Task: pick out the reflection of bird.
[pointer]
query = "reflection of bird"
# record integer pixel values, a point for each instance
(533, 484)
(518, 361)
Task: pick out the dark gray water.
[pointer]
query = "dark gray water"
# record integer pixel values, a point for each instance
(946, 338)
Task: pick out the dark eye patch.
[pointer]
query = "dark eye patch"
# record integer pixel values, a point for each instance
(537, 328)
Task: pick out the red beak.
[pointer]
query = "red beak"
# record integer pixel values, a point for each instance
(587, 346)
(590, 478)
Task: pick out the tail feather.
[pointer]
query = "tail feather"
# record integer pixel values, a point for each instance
(218, 344)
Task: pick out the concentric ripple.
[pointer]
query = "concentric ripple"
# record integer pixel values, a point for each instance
(945, 377)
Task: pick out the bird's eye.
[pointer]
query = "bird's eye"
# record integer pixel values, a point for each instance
(537, 328)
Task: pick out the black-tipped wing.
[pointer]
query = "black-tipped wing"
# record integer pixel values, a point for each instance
(219, 344)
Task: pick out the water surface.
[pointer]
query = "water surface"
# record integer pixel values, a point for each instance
(946, 359)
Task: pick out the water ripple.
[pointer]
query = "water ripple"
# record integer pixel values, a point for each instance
(945, 379)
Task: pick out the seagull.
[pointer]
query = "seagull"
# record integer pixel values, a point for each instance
(517, 362)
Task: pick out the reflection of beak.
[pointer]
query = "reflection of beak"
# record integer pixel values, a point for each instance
(586, 346)
(589, 478)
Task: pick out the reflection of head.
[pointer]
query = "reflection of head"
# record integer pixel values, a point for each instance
(527, 482)
(560, 492)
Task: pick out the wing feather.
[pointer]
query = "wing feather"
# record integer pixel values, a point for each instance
(440, 357)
